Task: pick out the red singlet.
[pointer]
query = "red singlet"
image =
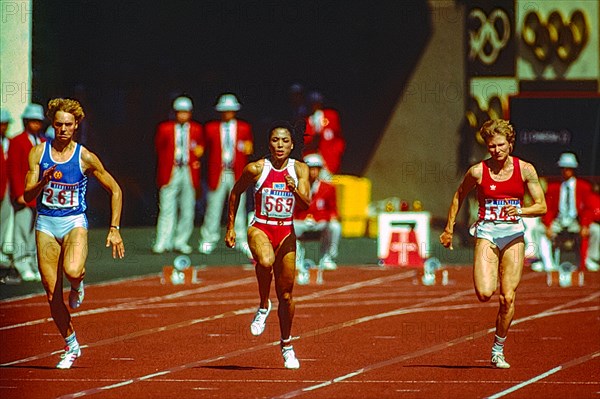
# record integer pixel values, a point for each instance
(494, 195)
(274, 203)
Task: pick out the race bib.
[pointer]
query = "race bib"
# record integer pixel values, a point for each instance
(277, 203)
(495, 209)
(60, 195)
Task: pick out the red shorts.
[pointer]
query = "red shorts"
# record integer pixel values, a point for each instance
(275, 233)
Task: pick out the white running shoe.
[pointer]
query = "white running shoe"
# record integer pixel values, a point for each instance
(260, 320)
(328, 263)
(76, 297)
(499, 361)
(68, 358)
(289, 357)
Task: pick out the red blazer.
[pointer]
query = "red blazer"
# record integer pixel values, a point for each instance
(164, 143)
(244, 146)
(323, 204)
(18, 165)
(583, 196)
(331, 144)
(3, 174)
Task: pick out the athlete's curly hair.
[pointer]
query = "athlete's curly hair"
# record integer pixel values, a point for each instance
(498, 126)
(68, 105)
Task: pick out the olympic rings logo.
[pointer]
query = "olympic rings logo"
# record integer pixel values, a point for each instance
(555, 38)
(491, 35)
(475, 115)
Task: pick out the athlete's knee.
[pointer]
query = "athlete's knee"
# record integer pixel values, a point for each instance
(507, 299)
(286, 297)
(74, 272)
(484, 295)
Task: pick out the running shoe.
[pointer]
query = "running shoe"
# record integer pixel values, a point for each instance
(498, 361)
(68, 358)
(260, 319)
(289, 357)
(76, 297)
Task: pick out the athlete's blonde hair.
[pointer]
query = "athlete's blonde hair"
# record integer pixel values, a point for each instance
(498, 126)
(68, 105)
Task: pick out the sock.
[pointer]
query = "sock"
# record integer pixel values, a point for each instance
(286, 343)
(72, 343)
(498, 344)
(77, 286)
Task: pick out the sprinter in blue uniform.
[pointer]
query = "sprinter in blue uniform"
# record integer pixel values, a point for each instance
(57, 177)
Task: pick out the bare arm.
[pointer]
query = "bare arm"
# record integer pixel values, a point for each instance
(469, 182)
(302, 191)
(33, 187)
(538, 208)
(93, 165)
(248, 177)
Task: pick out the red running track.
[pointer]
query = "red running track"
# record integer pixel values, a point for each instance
(367, 332)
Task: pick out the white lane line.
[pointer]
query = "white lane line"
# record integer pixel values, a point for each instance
(548, 373)
(188, 323)
(435, 348)
(246, 351)
(129, 305)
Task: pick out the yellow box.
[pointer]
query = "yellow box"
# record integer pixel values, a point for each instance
(353, 227)
(353, 195)
(373, 227)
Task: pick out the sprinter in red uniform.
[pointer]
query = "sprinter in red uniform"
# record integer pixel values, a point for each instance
(280, 184)
(499, 245)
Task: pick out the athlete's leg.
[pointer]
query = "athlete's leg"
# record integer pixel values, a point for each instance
(50, 258)
(485, 269)
(263, 254)
(75, 249)
(511, 268)
(285, 273)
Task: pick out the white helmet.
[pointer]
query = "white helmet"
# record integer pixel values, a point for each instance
(314, 160)
(228, 102)
(568, 160)
(33, 111)
(5, 116)
(183, 104)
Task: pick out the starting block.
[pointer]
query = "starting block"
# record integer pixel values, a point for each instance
(181, 272)
(565, 278)
(436, 277)
(403, 238)
(314, 275)
(171, 275)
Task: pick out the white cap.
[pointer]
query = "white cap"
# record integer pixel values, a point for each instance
(5, 116)
(314, 160)
(183, 104)
(568, 160)
(228, 102)
(33, 111)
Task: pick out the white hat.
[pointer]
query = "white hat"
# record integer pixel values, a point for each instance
(33, 111)
(5, 116)
(567, 160)
(183, 104)
(314, 160)
(228, 102)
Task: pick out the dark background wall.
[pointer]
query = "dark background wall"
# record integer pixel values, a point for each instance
(127, 60)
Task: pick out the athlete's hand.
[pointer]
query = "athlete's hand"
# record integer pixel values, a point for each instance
(446, 239)
(114, 239)
(291, 184)
(230, 238)
(47, 175)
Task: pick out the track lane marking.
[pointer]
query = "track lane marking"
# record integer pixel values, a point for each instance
(435, 348)
(548, 373)
(188, 323)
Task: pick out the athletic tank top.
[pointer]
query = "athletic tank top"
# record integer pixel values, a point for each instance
(64, 194)
(273, 201)
(494, 195)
